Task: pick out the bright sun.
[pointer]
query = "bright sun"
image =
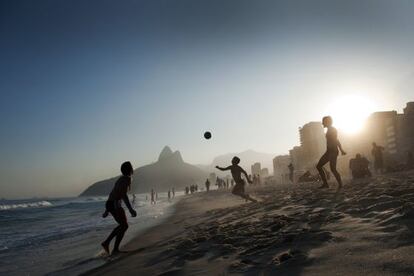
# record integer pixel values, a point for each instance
(350, 112)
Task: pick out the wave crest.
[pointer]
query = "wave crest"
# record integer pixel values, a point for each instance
(37, 204)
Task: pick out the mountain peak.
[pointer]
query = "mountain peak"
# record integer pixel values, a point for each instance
(165, 153)
(176, 156)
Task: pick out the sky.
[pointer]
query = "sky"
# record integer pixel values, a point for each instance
(85, 85)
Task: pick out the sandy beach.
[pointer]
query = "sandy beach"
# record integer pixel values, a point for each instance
(365, 229)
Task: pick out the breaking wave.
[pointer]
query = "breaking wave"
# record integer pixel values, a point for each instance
(37, 204)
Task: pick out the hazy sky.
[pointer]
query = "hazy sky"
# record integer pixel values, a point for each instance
(87, 84)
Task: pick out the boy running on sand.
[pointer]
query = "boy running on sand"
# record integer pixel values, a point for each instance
(236, 172)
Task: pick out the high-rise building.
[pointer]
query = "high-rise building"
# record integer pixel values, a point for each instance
(406, 126)
(264, 172)
(382, 128)
(312, 141)
(280, 168)
(256, 168)
(393, 131)
(296, 155)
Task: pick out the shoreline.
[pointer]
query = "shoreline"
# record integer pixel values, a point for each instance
(366, 229)
(172, 226)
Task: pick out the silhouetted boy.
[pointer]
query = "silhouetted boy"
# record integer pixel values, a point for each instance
(114, 207)
(331, 154)
(236, 172)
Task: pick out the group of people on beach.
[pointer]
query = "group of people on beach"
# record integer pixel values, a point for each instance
(191, 189)
(334, 147)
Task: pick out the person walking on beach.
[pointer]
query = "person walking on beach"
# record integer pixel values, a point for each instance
(291, 170)
(114, 207)
(207, 185)
(331, 154)
(378, 158)
(236, 172)
(173, 192)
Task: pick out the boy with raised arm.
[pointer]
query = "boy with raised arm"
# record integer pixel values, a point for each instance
(236, 172)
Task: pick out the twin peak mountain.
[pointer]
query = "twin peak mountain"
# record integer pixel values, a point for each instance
(169, 171)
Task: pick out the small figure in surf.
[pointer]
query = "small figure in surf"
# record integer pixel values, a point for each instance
(236, 172)
(114, 207)
(152, 196)
(331, 154)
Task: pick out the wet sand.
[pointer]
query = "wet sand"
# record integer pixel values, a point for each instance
(365, 229)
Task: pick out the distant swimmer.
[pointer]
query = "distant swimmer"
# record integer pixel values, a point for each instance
(377, 152)
(114, 207)
(331, 154)
(236, 172)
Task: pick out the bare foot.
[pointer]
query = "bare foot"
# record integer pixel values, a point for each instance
(105, 247)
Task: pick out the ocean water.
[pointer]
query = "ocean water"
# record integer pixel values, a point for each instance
(62, 236)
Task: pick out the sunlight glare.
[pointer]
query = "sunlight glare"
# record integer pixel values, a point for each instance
(350, 112)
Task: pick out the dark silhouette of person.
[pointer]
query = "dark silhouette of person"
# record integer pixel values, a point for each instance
(173, 192)
(169, 195)
(291, 170)
(377, 152)
(359, 167)
(207, 185)
(114, 207)
(331, 154)
(187, 190)
(236, 172)
(152, 196)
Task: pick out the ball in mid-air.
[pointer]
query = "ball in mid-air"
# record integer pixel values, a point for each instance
(207, 135)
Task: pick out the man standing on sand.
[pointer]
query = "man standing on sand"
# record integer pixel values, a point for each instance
(331, 154)
(114, 207)
(207, 185)
(378, 158)
(236, 172)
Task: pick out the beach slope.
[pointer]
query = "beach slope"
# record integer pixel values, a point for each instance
(365, 229)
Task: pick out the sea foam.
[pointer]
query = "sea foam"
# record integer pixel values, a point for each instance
(37, 204)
